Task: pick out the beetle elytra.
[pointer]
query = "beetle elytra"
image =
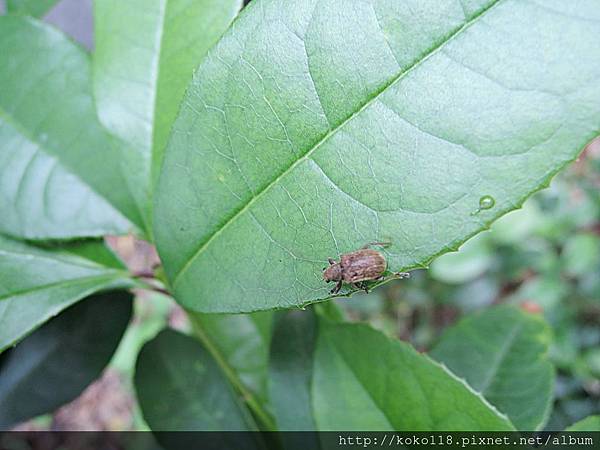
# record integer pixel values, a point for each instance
(357, 267)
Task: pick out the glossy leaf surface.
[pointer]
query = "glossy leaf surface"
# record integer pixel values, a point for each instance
(312, 128)
(502, 353)
(193, 393)
(393, 387)
(61, 174)
(145, 55)
(36, 284)
(291, 370)
(57, 362)
(242, 341)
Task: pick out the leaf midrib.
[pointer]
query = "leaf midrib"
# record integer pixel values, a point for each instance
(67, 259)
(231, 373)
(18, 126)
(329, 134)
(156, 73)
(48, 152)
(58, 284)
(509, 341)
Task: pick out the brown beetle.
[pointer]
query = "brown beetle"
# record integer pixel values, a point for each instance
(356, 267)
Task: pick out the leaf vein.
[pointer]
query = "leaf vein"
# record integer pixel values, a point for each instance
(326, 137)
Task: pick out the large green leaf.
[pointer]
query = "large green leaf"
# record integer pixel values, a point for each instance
(591, 423)
(53, 365)
(36, 284)
(502, 354)
(291, 368)
(36, 8)
(145, 55)
(61, 174)
(392, 386)
(242, 342)
(180, 387)
(314, 127)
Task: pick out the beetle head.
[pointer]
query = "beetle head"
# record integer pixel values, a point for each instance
(333, 273)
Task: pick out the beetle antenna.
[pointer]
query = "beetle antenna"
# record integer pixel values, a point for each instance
(381, 244)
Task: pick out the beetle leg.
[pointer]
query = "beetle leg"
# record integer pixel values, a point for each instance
(401, 275)
(337, 288)
(361, 286)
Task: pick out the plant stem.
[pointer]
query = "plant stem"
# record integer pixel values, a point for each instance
(149, 283)
(231, 375)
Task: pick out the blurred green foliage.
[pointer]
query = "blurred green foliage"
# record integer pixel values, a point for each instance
(544, 257)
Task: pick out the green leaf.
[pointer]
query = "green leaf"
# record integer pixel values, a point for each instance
(395, 388)
(36, 284)
(502, 354)
(180, 387)
(243, 341)
(581, 254)
(291, 369)
(591, 423)
(92, 250)
(36, 8)
(144, 61)
(57, 362)
(313, 128)
(61, 174)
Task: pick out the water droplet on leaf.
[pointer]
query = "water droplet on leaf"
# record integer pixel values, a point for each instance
(485, 202)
